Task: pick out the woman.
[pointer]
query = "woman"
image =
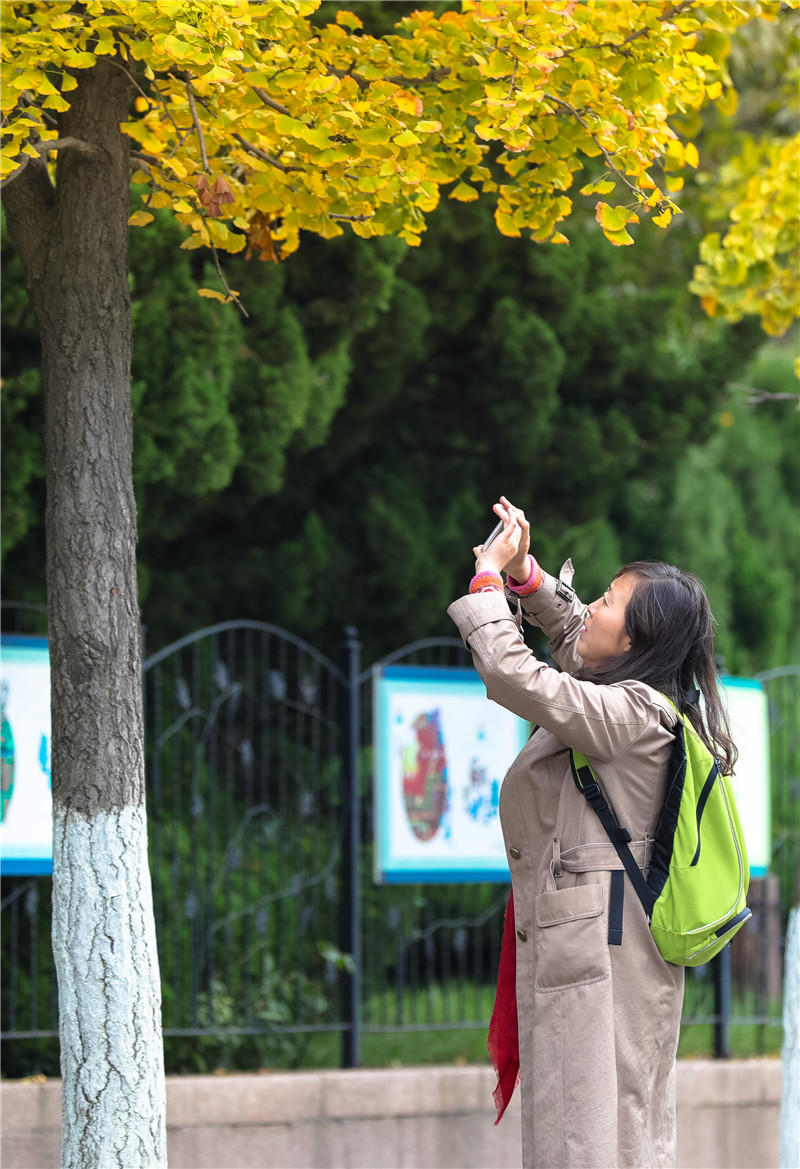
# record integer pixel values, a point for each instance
(598, 1014)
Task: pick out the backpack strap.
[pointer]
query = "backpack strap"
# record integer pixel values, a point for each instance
(615, 907)
(620, 837)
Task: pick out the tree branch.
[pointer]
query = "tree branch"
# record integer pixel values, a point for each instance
(267, 100)
(756, 396)
(262, 154)
(44, 147)
(361, 82)
(47, 144)
(668, 15)
(198, 127)
(617, 46)
(24, 160)
(132, 79)
(234, 297)
(270, 101)
(511, 82)
(431, 78)
(28, 204)
(608, 157)
(151, 159)
(27, 99)
(167, 110)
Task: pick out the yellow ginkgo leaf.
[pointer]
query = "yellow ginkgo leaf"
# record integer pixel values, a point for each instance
(464, 193)
(614, 219)
(505, 224)
(407, 138)
(618, 238)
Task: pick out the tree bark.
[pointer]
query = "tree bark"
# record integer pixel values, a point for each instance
(72, 239)
(789, 1152)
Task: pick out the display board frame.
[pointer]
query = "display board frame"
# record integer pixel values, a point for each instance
(399, 859)
(748, 711)
(471, 742)
(26, 845)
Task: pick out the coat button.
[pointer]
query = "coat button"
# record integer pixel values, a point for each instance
(523, 937)
(515, 853)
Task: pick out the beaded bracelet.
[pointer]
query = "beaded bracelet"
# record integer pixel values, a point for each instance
(531, 585)
(485, 580)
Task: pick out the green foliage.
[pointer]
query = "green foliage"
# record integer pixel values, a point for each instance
(729, 511)
(335, 456)
(379, 16)
(22, 415)
(187, 443)
(28, 976)
(274, 1003)
(496, 369)
(22, 461)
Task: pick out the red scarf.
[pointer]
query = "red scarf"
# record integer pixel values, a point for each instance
(504, 1029)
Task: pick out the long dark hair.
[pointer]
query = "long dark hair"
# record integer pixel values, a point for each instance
(671, 628)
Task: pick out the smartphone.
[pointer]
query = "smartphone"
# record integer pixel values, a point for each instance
(495, 532)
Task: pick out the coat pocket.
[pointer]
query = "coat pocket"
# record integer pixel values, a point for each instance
(571, 938)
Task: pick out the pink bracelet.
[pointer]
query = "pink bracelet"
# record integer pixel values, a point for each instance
(484, 581)
(530, 586)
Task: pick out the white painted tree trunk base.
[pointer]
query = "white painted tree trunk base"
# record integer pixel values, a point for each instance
(112, 1060)
(789, 1156)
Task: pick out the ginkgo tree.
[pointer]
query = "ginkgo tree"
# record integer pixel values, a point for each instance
(253, 125)
(748, 182)
(753, 266)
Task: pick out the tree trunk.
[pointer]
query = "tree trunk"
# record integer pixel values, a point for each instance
(789, 1154)
(72, 238)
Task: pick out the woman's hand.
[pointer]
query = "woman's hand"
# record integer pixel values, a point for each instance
(505, 550)
(519, 568)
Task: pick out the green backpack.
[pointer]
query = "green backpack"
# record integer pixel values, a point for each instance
(694, 894)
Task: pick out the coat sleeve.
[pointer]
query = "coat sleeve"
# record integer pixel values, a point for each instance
(600, 721)
(559, 613)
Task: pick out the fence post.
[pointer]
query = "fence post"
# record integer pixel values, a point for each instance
(722, 1003)
(351, 845)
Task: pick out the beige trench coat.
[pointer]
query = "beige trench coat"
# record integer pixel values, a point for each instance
(598, 1024)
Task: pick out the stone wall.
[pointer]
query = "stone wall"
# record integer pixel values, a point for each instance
(405, 1118)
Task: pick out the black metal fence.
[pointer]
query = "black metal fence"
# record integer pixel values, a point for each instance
(276, 946)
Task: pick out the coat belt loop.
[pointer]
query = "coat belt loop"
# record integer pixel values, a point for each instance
(556, 866)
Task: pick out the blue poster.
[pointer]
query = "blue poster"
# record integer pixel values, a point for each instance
(441, 752)
(746, 701)
(25, 790)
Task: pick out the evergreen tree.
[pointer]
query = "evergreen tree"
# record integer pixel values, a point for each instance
(333, 458)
